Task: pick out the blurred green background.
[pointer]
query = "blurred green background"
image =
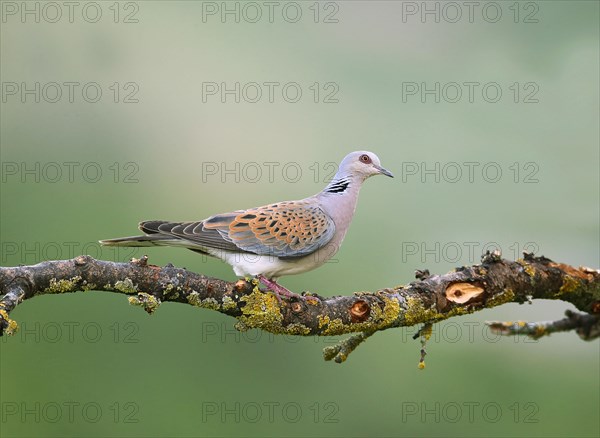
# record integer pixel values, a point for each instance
(157, 145)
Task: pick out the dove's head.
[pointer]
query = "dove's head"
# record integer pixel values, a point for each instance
(362, 164)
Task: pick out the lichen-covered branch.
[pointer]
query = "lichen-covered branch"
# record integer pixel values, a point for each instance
(429, 299)
(587, 326)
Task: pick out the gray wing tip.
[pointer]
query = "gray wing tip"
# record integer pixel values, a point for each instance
(121, 241)
(151, 227)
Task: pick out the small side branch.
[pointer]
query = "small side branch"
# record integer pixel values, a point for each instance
(585, 325)
(430, 299)
(339, 353)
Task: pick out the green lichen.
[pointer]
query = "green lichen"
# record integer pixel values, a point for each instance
(529, 270)
(416, 313)
(507, 296)
(228, 303)
(390, 313)
(62, 286)
(148, 302)
(126, 286)
(342, 357)
(323, 320)
(169, 289)
(331, 327)
(11, 324)
(261, 310)
(241, 327)
(540, 331)
(194, 299)
(569, 285)
(312, 300)
(457, 311)
(85, 286)
(297, 329)
(208, 303)
(379, 318)
(172, 292)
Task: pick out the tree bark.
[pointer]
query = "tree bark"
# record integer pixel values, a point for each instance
(430, 299)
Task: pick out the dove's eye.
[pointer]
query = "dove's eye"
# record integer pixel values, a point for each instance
(364, 158)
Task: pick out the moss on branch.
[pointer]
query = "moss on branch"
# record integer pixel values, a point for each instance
(430, 299)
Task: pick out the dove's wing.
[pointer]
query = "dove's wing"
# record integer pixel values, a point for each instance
(284, 229)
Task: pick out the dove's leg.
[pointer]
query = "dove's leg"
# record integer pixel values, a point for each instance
(276, 287)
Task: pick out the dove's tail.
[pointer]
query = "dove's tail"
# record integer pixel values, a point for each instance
(151, 238)
(156, 237)
(146, 240)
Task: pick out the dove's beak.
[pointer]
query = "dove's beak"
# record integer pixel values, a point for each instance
(384, 171)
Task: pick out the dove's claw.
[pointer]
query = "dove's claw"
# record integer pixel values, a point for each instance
(278, 289)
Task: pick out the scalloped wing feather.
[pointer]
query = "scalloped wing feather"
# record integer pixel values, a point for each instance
(285, 229)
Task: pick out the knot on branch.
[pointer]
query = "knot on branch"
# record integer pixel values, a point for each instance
(463, 293)
(360, 311)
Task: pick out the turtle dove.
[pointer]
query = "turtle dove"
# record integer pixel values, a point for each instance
(283, 238)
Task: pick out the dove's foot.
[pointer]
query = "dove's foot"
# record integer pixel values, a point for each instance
(277, 289)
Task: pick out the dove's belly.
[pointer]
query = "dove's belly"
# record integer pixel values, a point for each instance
(245, 264)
